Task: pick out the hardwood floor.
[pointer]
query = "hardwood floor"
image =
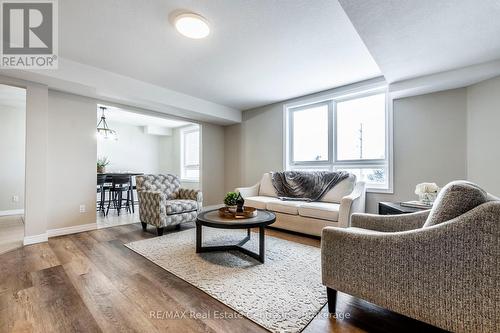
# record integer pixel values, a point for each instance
(90, 282)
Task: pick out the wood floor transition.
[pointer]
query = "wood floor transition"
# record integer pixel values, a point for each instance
(90, 282)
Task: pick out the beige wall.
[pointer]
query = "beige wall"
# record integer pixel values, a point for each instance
(71, 153)
(483, 134)
(212, 163)
(255, 146)
(36, 201)
(429, 144)
(12, 145)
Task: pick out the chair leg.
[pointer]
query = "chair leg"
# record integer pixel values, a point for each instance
(128, 202)
(132, 196)
(331, 295)
(119, 201)
(101, 204)
(159, 231)
(109, 202)
(144, 226)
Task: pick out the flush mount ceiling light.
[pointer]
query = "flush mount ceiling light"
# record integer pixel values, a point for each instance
(192, 25)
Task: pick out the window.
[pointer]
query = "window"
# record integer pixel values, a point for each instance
(190, 154)
(310, 134)
(342, 133)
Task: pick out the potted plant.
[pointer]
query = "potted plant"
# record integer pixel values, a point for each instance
(231, 201)
(427, 192)
(102, 162)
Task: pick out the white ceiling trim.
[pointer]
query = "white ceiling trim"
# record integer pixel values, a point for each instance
(88, 81)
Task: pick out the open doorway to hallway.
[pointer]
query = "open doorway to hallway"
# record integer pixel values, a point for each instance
(12, 166)
(129, 144)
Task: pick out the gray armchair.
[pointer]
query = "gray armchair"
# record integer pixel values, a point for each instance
(163, 203)
(439, 266)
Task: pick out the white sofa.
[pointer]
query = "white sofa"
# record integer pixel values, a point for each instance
(334, 209)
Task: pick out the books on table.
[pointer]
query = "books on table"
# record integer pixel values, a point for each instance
(416, 204)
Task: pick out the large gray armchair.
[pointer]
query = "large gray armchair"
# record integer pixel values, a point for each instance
(163, 203)
(439, 266)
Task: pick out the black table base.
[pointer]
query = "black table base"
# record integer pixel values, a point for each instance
(236, 247)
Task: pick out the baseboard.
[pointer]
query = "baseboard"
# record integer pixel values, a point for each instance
(11, 212)
(28, 240)
(71, 230)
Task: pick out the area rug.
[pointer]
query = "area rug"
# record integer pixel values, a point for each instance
(282, 295)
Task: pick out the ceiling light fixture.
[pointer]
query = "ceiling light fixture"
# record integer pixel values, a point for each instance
(103, 130)
(192, 25)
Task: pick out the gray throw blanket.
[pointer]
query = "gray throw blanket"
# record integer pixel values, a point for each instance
(305, 186)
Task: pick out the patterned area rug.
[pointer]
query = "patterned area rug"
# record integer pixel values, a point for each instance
(282, 295)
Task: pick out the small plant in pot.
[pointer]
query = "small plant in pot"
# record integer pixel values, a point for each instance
(231, 201)
(102, 162)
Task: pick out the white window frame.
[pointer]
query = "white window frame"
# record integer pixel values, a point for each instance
(184, 166)
(333, 163)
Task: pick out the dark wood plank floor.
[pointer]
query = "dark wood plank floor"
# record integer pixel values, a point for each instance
(90, 282)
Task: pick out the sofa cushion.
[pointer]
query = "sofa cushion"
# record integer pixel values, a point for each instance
(320, 210)
(181, 206)
(259, 202)
(455, 199)
(287, 207)
(266, 186)
(340, 190)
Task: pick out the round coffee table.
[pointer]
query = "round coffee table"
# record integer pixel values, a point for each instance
(212, 219)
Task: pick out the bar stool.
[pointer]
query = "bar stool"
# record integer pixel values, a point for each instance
(119, 185)
(101, 188)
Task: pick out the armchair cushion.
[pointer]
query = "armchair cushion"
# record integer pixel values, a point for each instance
(455, 199)
(180, 206)
(389, 223)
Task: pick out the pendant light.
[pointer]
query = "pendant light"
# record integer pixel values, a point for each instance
(103, 130)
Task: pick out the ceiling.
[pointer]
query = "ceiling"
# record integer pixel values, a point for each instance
(410, 38)
(118, 115)
(258, 52)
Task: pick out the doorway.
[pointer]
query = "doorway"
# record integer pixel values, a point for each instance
(140, 143)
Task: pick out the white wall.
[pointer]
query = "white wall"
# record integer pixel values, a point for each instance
(483, 134)
(71, 169)
(12, 146)
(134, 150)
(429, 144)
